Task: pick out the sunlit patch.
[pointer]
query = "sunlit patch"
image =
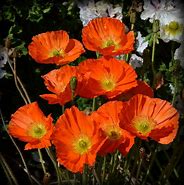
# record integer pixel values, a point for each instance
(37, 131)
(82, 144)
(143, 125)
(61, 87)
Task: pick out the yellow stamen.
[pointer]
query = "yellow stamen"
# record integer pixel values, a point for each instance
(144, 125)
(57, 53)
(109, 43)
(173, 28)
(108, 84)
(82, 144)
(37, 130)
(113, 132)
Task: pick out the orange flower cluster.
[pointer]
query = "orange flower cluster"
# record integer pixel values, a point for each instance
(130, 111)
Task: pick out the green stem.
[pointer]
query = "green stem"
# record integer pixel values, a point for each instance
(41, 161)
(84, 175)
(63, 109)
(132, 27)
(26, 97)
(139, 169)
(7, 170)
(32, 177)
(127, 58)
(153, 155)
(74, 179)
(103, 169)
(153, 55)
(128, 160)
(73, 96)
(59, 178)
(175, 90)
(137, 146)
(178, 151)
(96, 176)
(97, 55)
(115, 161)
(94, 104)
(174, 169)
(15, 80)
(175, 82)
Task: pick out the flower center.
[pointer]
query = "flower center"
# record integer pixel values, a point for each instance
(108, 84)
(57, 53)
(173, 28)
(144, 125)
(37, 131)
(173, 25)
(82, 144)
(109, 43)
(112, 132)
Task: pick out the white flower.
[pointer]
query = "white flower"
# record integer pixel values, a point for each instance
(136, 61)
(101, 8)
(2, 73)
(87, 11)
(140, 44)
(179, 54)
(171, 26)
(162, 10)
(172, 88)
(115, 11)
(174, 30)
(155, 9)
(3, 56)
(3, 60)
(90, 10)
(170, 15)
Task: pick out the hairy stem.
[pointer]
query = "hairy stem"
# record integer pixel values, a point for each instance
(21, 156)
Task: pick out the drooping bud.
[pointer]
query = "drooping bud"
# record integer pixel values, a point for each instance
(156, 26)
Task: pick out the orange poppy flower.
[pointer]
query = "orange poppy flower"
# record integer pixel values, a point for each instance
(107, 36)
(150, 117)
(58, 82)
(109, 77)
(141, 88)
(55, 47)
(107, 117)
(77, 140)
(30, 125)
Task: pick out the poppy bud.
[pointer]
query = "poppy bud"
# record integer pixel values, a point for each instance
(73, 83)
(156, 26)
